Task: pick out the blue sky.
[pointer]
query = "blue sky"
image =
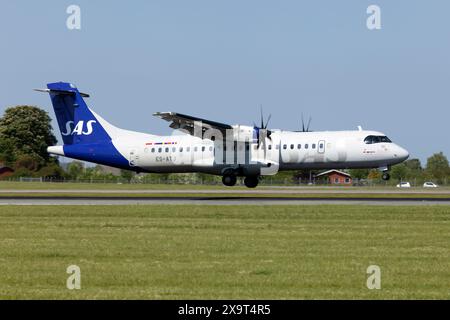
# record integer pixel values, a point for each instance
(222, 59)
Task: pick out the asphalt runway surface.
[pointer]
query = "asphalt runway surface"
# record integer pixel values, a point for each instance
(232, 200)
(231, 196)
(259, 190)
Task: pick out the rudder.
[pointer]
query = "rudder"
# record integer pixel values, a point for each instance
(77, 123)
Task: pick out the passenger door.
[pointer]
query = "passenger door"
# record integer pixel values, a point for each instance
(321, 147)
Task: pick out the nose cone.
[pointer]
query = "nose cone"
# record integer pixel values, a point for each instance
(401, 153)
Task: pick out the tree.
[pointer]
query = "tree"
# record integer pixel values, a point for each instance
(7, 152)
(359, 173)
(31, 163)
(374, 174)
(413, 164)
(26, 130)
(438, 167)
(127, 175)
(75, 169)
(399, 171)
(51, 171)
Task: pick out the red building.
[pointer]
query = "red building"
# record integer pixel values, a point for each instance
(336, 177)
(5, 172)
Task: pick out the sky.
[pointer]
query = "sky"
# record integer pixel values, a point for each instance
(221, 60)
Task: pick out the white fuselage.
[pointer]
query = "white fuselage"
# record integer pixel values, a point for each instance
(288, 150)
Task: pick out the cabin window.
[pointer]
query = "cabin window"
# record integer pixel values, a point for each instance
(181, 149)
(195, 149)
(153, 150)
(188, 149)
(210, 148)
(313, 146)
(270, 147)
(284, 146)
(299, 146)
(167, 149)
(306, 146)
(321, 146)
(203, 149)
(159, 150)
(174, 149)
(292, 146)
(277, 146)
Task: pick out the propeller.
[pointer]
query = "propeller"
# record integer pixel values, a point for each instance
(307, 126)
(263, 127)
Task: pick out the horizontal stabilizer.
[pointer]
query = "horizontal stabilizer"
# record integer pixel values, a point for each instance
(84, 95)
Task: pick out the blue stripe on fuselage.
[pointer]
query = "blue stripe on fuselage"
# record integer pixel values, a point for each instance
(102, 153)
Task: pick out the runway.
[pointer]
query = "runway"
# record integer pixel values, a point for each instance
(259, 191)
(223, 200)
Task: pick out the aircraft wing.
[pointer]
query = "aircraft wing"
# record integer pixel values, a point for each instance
(186, 122)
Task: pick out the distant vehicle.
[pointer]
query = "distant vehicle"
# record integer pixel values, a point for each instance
(404, 185)
(430, 184)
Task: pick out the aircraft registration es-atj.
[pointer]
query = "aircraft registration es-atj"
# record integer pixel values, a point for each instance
(211, 147)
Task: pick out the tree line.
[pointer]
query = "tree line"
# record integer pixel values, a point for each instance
(26, 132)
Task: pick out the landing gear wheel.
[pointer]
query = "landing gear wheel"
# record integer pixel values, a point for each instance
(386, 176)
(251, 182)
(229, 180)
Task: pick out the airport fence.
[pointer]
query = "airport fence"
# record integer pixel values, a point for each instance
(214, 180)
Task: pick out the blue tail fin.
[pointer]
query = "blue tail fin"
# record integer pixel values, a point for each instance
(77, 123)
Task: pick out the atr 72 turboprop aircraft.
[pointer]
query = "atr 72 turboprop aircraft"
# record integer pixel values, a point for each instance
(230, 151)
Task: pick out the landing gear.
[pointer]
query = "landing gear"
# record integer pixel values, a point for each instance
(251, 182)
(229, 180)
(386, 176)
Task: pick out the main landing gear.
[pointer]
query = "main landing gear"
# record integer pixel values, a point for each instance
(251, 182)
(230, 180)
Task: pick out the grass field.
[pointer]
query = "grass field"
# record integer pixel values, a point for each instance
(231, 252)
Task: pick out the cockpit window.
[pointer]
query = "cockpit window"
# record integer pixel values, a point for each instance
(376, 139)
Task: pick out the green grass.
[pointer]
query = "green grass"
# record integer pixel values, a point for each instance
(12, 185)
(230, 252)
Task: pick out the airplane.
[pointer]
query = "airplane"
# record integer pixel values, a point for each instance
(230, 151)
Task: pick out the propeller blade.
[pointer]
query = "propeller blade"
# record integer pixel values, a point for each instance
(303, 123)
(309, 122)
(262, 116)
(268, 119)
